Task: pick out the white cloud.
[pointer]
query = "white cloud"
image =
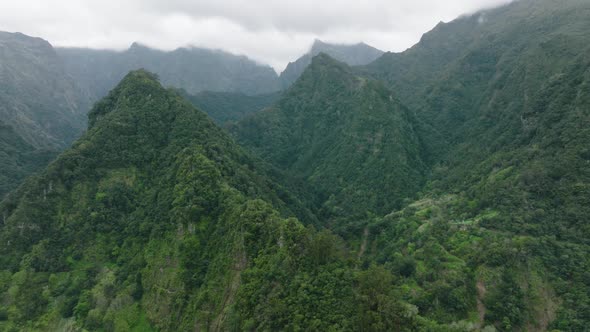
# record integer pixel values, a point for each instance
(269, 31)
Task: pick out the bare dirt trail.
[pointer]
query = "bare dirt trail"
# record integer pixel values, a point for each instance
(481, 309)
(364, 243)
(240, 262)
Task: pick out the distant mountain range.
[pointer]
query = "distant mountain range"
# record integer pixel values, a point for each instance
(197, 69)
(192, 69)
(42, 110)
(66, 81)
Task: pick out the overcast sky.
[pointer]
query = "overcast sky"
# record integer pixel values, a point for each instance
(269, 31)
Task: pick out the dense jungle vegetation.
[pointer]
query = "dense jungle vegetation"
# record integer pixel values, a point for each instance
(444, 188)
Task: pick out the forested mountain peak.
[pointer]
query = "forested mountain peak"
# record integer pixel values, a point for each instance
(347, 135)
(324, 69)
(155, 180)
(138, 83)
(357, 54)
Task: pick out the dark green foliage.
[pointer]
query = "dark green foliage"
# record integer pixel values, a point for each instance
(155, 219)
(501, 110)
(345, 135)
(467, 209)
(507, 92)
(380, 307)
(506, 304)
(227, 107)
(150, 169)
(18, 159)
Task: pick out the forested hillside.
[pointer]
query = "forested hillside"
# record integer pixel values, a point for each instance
(512, 104)
(500, 105)
(444, 188)
(156, 220)
(152, 186)
(345, 135)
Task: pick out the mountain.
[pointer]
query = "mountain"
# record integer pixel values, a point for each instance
(41, 109)
(346, 135)
(153, 205)
(506, 91)
(444, 188)
(499, 104)
(354, 55)
(193, 69)
(229, 107)
(156, 220)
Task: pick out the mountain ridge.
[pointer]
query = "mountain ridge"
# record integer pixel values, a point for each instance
(444, 188)
(193, 69)
(328, 113)
(41, 108)
(352, 54)
(154, 220)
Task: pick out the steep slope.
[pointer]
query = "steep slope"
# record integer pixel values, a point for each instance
(410, 72)
(18, 159)
(228, 107)
(510, 106)
(499, 234)
(123, 214)
(345, 135)
(155, 220)
(469, 51)
(41, 109)
(507, 227)
(516, 86)
(353, 55)
(192, 69)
